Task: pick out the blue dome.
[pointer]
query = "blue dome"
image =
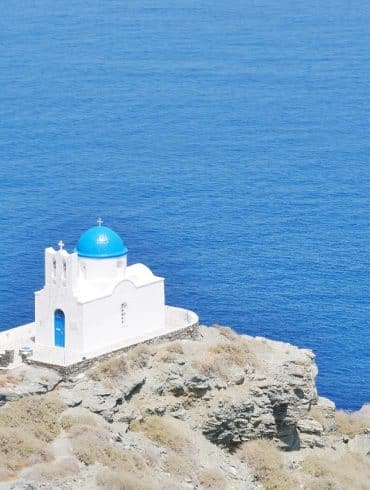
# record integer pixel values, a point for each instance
(100, 242)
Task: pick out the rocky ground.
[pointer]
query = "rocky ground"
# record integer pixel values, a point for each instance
(224, 411)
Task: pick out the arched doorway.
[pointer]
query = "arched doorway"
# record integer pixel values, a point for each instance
(59, 327)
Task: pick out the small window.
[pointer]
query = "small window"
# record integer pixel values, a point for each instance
(124, 314)
(54, 267)
(64, 269)
(84, 271)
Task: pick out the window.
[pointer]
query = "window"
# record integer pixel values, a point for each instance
(54, 268)
(84, 271)
(124, 314)
(64, 269)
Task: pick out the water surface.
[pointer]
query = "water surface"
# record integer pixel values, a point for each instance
(227, 142)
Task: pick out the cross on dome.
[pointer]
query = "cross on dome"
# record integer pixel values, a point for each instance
(61, 244)
(99, 221)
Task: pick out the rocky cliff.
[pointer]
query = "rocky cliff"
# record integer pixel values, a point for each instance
(191, 413)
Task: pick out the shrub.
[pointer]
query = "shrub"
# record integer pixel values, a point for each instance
(233, 352)
(109, 368)
(348, 471)
(266, 460)
(26, 425)
(212, 478)
(317, 414)
(95, 446)
(62, 468)
(213, 366)
(175, 347)
(6, 378)
(69, 421)
(165, 356)
(178, 468)
(223, 357)
(139, 356)
(351, 423)
(227, 332)
(120, 364)
(163, 430)
(36, 414)
(17, 446)
(113, 480)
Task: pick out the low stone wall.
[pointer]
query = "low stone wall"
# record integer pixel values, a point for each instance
(190, 332)
(6, 358)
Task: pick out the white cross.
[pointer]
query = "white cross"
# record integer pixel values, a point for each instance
(100, 221)
(61, 244)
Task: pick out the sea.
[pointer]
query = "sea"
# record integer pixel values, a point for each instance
(227, 142)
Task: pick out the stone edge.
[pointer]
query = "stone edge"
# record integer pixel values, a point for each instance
(189, 332)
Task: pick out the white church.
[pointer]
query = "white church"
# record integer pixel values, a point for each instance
(93, 303)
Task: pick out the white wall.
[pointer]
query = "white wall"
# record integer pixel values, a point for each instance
(145, 312)
(61, 274)
(102, 270)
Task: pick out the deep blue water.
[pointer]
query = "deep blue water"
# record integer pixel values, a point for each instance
(227, 142)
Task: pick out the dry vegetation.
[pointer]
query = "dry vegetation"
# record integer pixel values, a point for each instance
(227, 332)
(163, 430)
(165, 356)
(112, 367)
(26, 426)
(68, 421)
(46, 472)
(317, 414)
(350, 471)
(118, 365)
(226, 355)
(124, 469)
(266, 460)
(175, 347)
(352, 424)
(178, 468)
(95, 446)
(6, 378)
(119, 480)
(212, 478)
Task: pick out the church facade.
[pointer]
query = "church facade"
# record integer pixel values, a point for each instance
(92, 299)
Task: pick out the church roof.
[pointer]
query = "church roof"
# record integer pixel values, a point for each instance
(100, 242)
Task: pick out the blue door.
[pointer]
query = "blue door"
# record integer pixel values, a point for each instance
(59, 324)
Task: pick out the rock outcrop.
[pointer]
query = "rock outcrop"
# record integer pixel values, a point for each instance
(181, 411)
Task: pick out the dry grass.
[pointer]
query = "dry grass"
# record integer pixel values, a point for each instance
(348, 471)
(6, 378)
(55, 469)
(222, 358)
(36, 414)
(165, 356)
(227, 332)
(212, 478)
(319, 415)
(352, 423)
(178, 468)
(233, 352)
(175, 347)
(26, 426)
(139, 356)
(16, 448)
(119, 480)
(95, 446)
(163, 430)
(68, 421)
(119, 365)
(112, 367)
(266, 460)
